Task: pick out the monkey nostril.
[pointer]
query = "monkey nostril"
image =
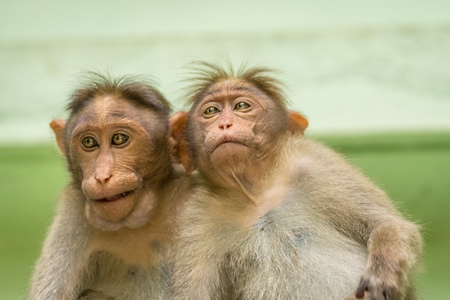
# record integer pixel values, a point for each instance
(225, 126)
(103, 178)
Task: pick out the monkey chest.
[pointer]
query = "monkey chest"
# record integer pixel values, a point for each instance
(119, 279)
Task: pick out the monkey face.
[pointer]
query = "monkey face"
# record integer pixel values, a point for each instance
(116, 149)
(234, 125)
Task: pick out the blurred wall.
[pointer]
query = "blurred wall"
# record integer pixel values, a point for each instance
(352, 67)
(349, 66)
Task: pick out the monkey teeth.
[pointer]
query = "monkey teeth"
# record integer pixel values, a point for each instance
(115, 197)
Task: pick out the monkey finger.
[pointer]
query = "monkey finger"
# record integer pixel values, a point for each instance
(392, 293)
(362, 288)
(366, 296)
(378, 294)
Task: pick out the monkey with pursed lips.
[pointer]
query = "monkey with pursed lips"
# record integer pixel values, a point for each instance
(277, 215)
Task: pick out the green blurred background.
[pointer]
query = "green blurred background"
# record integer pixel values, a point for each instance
(372, 77)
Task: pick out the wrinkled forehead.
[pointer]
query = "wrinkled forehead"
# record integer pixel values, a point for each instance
(108, 110)
(108, 106)
(232, 88)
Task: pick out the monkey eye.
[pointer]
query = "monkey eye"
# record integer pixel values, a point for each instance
(89, 142)
(241, 106)
(211, 111)
(119, 139)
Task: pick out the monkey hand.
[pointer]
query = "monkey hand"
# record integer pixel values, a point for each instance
(366, 296)
(384, 278)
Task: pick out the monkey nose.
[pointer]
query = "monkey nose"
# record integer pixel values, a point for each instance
(225, 125)
(102, 178)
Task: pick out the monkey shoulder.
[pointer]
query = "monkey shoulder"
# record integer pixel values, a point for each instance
(314, 166)
(306, 155)
(323, 183)
(70, 226)
(68, 233)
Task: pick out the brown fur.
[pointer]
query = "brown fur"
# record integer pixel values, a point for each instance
(278, 216)
(117, 249)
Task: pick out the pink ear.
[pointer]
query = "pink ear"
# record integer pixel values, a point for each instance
(297, 122)
(58, 129)
(181, 150)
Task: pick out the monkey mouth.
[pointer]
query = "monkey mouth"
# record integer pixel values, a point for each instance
(229, 141)
(115, 197)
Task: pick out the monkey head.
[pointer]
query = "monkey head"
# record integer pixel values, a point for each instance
(117, 149)
(234, 123)
(233, 126)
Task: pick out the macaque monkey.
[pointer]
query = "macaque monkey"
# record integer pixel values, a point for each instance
(276, 215)
(113, 230)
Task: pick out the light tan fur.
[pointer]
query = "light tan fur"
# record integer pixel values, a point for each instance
(278, 216)
(122, 264)
(112, 236)
(325, 226)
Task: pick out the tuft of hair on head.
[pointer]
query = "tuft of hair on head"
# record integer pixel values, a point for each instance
(138, 89)
(203, 75)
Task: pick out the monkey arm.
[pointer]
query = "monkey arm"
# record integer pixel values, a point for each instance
(393, 243)
(58, 272)
(394, 247)
(351, 203)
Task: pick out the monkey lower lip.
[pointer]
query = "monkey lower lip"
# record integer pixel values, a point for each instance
(230, 142)
(115, 197)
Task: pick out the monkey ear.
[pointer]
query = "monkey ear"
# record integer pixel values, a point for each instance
(58, 128)
(297, 122)
(181, 152)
